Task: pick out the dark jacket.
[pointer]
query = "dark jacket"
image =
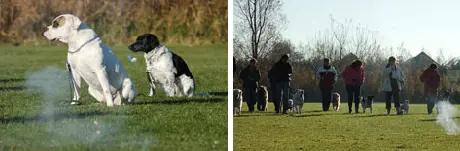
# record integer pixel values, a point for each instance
(250, 77)
(432, 79)
(280, 72)
(327, 77)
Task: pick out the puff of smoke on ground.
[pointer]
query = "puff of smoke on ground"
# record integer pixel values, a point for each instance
(68, 128)
(445, 118)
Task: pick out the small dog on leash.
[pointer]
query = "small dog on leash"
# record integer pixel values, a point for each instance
(262, 98)
(237, 101)
(367, 103)
(298, 99)
(336, 101)
(405, 107)
(290, 105)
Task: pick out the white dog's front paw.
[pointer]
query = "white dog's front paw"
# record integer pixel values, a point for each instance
(152, 92)
(75, 103)
(109, 104)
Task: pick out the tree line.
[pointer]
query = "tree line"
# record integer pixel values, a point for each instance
(119, 21)
(336, 43)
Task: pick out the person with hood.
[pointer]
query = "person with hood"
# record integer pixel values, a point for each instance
(327, 76)
(431, 79)
(250, 76)
(353, 76)
(280, 76)
(392, 84)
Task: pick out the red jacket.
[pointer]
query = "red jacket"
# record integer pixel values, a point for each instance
(353, 76)
(432, 79)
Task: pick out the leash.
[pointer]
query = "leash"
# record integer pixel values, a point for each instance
(69, 70)
(94, 38)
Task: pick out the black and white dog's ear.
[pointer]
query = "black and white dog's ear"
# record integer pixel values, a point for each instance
(153, 41)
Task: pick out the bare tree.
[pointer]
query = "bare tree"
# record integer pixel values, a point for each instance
(340, 32)
(258, 23)
(441, 59)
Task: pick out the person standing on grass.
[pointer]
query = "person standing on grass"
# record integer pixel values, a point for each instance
(353, 76)
(431, 79)
(392, 84)
(250, 76)
(271, 94)
(327, 76)
(280, 76)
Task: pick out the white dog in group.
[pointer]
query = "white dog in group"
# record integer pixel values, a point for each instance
(298, 99)
(237, 101)
(164, 67)
(89, 58)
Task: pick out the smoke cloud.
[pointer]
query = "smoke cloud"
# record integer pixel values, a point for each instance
(445, 118)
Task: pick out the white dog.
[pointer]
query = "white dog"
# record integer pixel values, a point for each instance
(164, 67)
(336, 101)
(237, 101)
(298, 99)
(89, 58)
(290, 105)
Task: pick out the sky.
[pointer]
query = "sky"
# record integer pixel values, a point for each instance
(427, 24)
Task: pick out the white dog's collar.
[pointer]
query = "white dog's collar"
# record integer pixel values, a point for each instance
(71, 52)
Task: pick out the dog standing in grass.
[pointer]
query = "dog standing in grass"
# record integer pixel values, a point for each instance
(237, 101)
(405, 107)
(367, 103)
(262, 98)
(298, 98)
(290, 105)
(336, 101)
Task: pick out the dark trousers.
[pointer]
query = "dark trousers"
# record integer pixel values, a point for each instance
(281, 96)
(272, 95)
(432, 99)
(393, 95)
(326, 96)
(354, 93)
(250, 96)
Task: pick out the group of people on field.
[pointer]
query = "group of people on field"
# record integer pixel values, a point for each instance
(280, 76)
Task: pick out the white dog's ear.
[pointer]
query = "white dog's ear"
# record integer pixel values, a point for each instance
(76, 22)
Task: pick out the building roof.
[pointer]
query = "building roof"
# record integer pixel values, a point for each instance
(422, 60)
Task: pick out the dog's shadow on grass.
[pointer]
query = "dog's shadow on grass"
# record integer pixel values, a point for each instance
(218, 93)
(378, 115)
(254, 115)
(308, 115)
(12, 80)
(18, 88)
(183, 101)
(434, 120)
(314, 111)
(55, 117)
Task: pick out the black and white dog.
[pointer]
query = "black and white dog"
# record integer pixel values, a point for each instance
(164, 67)
(405, 107)
(367, 103)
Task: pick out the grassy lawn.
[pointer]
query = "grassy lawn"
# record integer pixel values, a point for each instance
(153, 123)
(317, 130)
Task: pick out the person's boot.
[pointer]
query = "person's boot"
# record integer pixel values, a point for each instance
(398, 111)
(349, 110)
(388, 112)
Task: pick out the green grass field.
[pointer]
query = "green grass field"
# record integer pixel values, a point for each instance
(153, 123)
(317, 130)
